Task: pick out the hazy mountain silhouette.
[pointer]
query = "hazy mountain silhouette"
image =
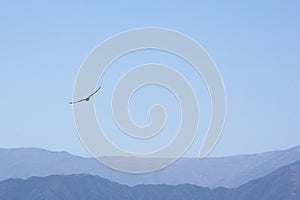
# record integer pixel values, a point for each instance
(88, 187)
(210, 172)
(282, 184)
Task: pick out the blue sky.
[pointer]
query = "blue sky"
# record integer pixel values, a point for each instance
(255, 45)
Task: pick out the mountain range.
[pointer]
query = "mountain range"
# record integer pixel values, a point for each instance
(282, 184)
(229, 172)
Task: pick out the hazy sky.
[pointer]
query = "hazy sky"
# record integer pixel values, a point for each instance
(255, 45)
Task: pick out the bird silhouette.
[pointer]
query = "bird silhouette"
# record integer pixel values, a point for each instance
(87, 98)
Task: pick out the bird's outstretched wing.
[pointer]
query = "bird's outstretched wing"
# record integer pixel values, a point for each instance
(77, 101)
(93, 93)
(87, 98)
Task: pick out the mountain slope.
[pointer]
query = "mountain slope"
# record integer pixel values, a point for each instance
(86, 187)
(210, 172)
(281, 184)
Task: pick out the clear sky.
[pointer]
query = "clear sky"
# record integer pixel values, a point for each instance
(255, 45)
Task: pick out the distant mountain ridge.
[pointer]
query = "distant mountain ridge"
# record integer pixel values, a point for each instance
(228, 172)
(282, 184)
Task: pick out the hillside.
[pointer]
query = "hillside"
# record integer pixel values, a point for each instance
(210, 172)
(283, 183)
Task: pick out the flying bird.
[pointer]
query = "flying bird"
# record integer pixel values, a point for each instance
(87, 98)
